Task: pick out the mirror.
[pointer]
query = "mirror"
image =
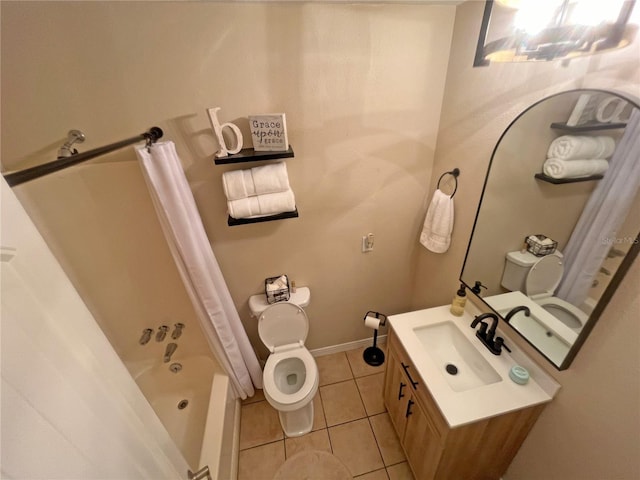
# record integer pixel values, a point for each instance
(534, 30)
(567, 278)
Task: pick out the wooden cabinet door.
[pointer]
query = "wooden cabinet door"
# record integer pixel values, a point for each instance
(396, 394)
(421, 443)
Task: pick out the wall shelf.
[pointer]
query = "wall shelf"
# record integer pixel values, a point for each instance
(250, 155)
(268, 218)
(587, 127)
(558, 181)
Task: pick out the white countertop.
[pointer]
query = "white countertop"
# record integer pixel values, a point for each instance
(459, 408)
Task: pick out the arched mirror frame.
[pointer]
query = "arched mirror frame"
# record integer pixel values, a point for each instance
(617, 277)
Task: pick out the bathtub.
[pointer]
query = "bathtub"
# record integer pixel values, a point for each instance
(195, 404)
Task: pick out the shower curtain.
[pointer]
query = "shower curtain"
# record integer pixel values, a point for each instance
(201, 275)
(604, 214)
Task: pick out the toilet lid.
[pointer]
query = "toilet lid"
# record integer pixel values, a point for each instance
(544, 276)
(282, 324)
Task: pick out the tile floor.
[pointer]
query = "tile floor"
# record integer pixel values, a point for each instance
(350, 421)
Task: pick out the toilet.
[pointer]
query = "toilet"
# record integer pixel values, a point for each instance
(290, 375)
(538, 278)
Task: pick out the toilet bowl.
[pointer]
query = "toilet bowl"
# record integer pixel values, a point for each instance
(538, 278)
(290, 375)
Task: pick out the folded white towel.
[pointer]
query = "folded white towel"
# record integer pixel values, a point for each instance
(261, 205)
(559, 168)
(270, 178)
(235, 184)
(438, 223)
(570, 147)
(239, 184)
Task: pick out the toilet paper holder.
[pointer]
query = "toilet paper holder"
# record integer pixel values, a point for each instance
(373, 355)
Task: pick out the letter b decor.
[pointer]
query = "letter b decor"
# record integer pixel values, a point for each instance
(217, 128)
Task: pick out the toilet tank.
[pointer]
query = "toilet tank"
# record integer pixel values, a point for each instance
(258, 303)
(516, 268)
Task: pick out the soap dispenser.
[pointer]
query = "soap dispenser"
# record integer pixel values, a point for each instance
(459, 301)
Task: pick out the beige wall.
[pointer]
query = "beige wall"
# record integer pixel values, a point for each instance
(361, 86)
(590, 431)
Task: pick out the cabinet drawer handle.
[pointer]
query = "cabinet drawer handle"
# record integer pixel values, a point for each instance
(409, 412)
(400, 394)
(406, 371)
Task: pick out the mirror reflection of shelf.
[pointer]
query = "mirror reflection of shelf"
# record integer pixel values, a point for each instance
(587, 127)
(558, 181)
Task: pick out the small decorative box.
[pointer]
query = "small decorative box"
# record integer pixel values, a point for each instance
(540, 245)
(277, 289)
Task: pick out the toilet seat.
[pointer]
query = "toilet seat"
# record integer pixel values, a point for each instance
(290, 401)
(283, 328)
(541, 283)
(283, 324)
(544, 276)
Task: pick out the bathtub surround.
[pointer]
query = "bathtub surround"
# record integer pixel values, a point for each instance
(198, 267)
(70, 409)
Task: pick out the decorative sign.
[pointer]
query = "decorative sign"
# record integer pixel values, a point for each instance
(610, 109)
(269, 132)
(217, 128)
(584, 110)
(597, 109)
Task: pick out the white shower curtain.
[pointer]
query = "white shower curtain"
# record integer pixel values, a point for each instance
(604, 214)
(185, 234)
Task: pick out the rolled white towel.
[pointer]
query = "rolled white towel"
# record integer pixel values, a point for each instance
(261, 205)
(559, 168)
(570, 147)
(239, 184)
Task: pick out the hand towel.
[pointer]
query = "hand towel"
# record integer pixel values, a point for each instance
(261, 205)
(438, 223)
(559, 168)
(570, 147)
(239, 184)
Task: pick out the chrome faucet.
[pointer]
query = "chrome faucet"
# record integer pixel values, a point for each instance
(487, 333)
(515, 310)
(171, 348)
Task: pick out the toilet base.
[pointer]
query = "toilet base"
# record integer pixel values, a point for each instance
(297, 422)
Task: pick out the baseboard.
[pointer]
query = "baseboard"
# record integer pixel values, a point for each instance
(343, 347)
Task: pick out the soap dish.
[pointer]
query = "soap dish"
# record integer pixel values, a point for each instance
(519, 374)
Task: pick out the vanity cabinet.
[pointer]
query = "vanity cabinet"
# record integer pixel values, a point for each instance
(479, 450)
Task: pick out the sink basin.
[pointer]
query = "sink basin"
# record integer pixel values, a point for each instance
(460, 363)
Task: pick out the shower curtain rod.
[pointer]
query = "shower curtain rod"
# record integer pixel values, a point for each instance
(21, 176)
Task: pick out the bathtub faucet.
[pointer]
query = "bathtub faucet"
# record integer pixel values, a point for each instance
(146, 336)
(171, 348)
